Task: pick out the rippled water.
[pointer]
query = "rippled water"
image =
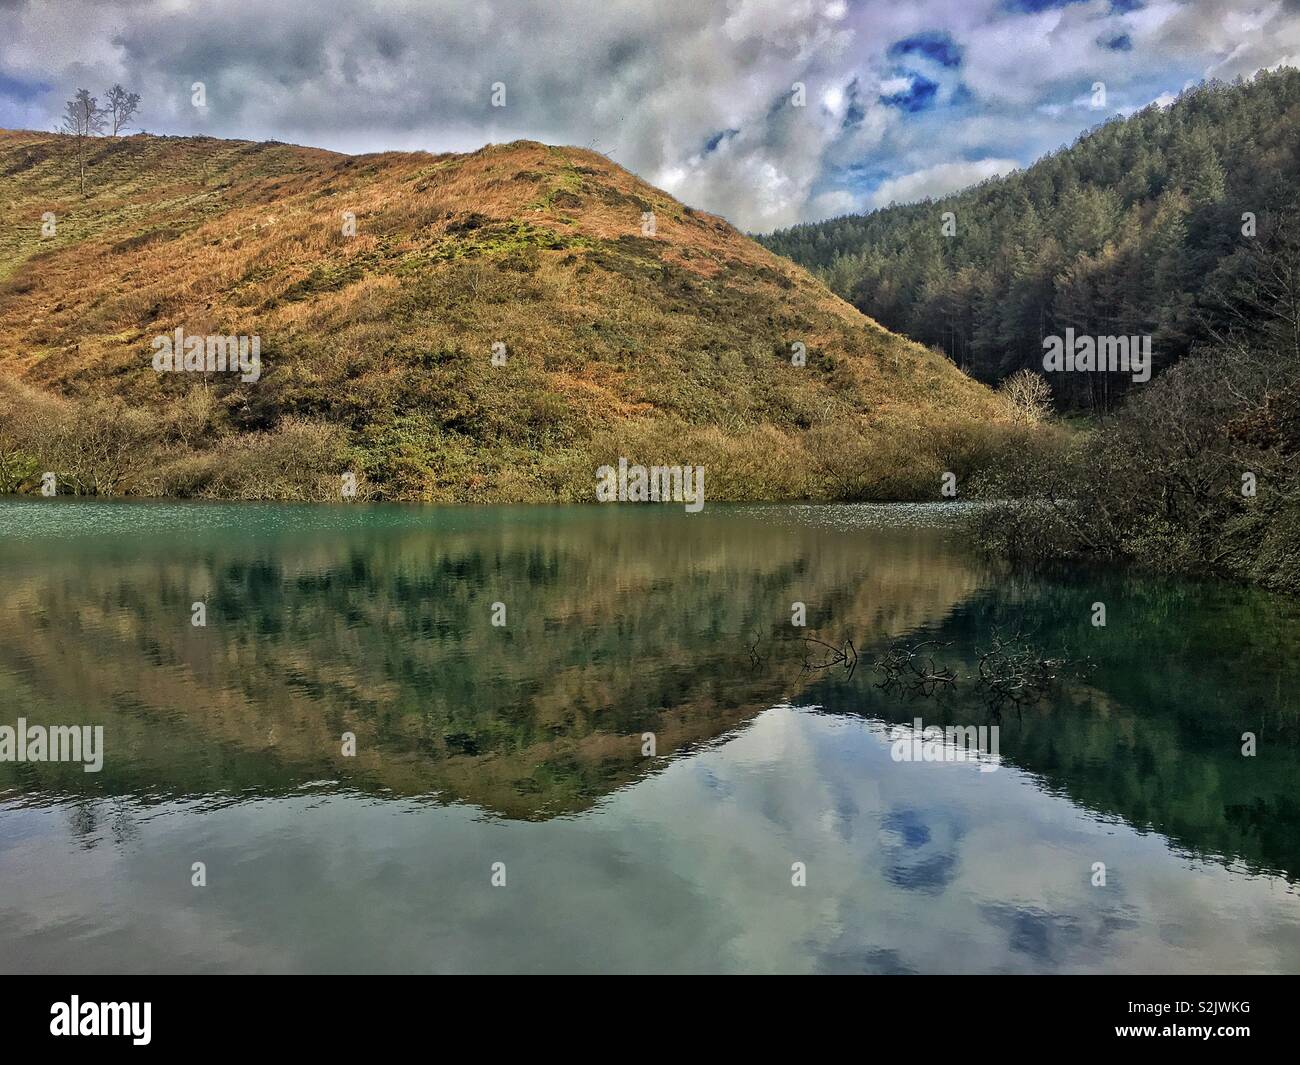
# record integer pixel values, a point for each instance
(523, 745)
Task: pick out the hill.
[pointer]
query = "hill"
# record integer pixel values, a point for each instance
(379, 287)
(1168, 223)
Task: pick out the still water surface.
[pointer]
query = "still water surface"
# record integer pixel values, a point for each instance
(522, 745)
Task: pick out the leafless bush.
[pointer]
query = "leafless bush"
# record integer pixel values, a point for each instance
(18, 436)
(1028, 396)
(102, 445)
(94, 448)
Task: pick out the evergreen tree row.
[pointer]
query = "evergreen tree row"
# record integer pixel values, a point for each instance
(1173, 223)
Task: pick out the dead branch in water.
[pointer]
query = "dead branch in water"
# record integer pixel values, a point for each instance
(846, 655)
(906, 671)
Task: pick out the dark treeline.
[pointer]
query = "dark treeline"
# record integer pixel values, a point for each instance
(1142, 227)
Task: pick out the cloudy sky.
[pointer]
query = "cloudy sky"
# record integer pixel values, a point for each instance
(903, 100)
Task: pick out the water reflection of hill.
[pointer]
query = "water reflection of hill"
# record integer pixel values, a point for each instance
(617, 624)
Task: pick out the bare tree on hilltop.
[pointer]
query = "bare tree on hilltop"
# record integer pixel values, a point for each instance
(122, 106)
(82, 119)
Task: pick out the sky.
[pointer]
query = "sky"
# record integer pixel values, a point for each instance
(899, 100)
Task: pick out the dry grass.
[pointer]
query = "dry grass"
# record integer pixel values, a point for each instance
(671, 349)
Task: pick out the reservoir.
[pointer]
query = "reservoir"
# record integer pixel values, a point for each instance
(636, 764)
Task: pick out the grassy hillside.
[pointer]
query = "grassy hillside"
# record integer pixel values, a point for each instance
(376, 348)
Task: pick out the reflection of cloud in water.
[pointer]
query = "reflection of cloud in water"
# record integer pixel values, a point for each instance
(919, 849)
(1044, 937)
(868, 962)
(1052, 939)
(911, 867)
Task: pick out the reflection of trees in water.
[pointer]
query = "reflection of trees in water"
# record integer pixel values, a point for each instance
(83, 822)
(615, 628)
(1151, 730)
(89, 819)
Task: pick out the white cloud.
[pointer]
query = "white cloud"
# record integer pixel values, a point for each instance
(893, 86)
(834, 203)
(936, 181)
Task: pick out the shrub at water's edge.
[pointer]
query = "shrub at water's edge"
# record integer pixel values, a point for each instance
(105, 447)
(1199, 474)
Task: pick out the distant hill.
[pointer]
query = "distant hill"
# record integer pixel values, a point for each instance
(1137, 228)
(376, 348)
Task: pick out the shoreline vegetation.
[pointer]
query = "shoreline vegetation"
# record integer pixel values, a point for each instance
(105, 448)
(1199, 475)
(1194, 477)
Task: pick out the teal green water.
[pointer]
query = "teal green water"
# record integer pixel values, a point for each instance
(521, 748)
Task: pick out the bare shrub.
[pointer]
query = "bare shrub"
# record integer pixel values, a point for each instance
(99, 447)
(1162, 482)
(188, 418)
(18, 460)
(299, 460)
(95, 448)
(1028, 396)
